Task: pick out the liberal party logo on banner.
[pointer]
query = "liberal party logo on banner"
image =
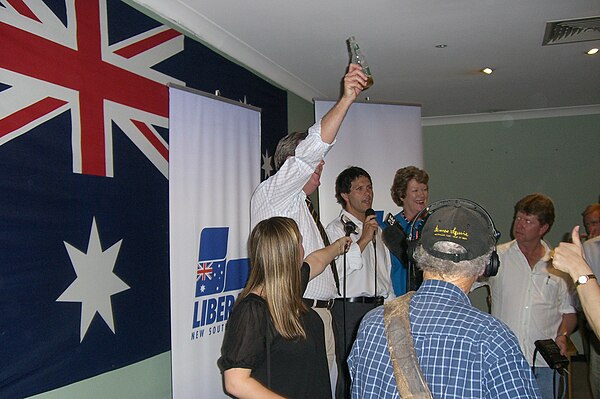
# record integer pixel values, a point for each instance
(217, 280)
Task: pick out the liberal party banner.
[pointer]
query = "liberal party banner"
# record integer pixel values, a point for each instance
(214, 168)
(84, 156)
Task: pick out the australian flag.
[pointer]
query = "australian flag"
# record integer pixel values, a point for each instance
(84, 263)
(214, 273)
(210, 275)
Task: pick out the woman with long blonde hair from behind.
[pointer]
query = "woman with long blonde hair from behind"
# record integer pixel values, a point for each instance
(274, 345)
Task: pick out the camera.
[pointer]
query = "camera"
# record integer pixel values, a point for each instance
(551, 354)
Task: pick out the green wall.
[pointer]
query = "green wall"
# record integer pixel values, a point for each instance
(497, 163)
(148, 379)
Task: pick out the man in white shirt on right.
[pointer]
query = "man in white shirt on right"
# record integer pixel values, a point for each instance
(529, 295)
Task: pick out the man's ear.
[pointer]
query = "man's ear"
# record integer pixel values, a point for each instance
(545, 229)
(345, 197)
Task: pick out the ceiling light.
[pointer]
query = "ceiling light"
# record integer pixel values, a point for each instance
(592, 51)
(487, 71)
(441, 45)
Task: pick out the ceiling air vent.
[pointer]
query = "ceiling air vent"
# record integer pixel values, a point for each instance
(572, 31)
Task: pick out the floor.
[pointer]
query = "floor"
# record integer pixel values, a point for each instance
(579, 380)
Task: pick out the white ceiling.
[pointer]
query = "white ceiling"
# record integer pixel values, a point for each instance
(301, 46)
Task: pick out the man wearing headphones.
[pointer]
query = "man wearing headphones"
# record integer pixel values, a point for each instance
(462, 352)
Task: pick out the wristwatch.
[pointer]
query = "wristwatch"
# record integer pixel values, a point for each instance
(584, 278)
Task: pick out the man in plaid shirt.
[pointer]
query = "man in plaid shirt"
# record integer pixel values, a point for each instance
(462, 352)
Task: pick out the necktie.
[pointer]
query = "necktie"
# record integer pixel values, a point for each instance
(323, 233)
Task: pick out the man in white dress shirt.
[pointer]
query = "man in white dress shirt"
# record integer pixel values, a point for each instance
(365, 273)
(529, 295)
(299, 163)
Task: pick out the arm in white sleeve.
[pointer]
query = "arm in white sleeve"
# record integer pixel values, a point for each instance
(290, 179)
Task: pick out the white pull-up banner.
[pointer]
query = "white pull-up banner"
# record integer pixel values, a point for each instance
(380, 138)
(214, 165)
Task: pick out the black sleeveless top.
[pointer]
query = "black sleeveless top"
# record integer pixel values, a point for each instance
(298, 367)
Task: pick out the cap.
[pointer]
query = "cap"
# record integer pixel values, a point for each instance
(462, 223)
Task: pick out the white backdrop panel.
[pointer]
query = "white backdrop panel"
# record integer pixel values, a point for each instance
(380, 138)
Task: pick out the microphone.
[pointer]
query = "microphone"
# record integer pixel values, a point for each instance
(395, 239)
(371, 212)
(349, 226)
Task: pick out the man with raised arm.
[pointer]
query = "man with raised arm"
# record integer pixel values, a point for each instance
(299, 163)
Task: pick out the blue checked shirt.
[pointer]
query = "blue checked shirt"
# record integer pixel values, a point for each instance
(463, 352)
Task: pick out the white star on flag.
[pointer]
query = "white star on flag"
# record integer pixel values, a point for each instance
(95, 282)
(266, 164)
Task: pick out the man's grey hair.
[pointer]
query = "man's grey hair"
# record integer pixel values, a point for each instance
(466, 268)
(287, 147)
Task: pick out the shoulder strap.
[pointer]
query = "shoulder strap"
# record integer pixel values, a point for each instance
(409, 377)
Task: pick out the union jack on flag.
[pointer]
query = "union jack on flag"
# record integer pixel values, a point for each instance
(204, 271)
(47, 82)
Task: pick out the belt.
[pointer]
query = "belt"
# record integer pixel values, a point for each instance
(317, 303)
(377, 300)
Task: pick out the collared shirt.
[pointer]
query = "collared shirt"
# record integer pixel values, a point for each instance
(463, 352)
(531, 301)
(282, 195)
(360, 266)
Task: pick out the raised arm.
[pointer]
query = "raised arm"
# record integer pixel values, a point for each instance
(354, 82)
(320, 258)
(569, 258)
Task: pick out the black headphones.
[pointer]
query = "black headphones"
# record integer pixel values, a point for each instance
(492, 266)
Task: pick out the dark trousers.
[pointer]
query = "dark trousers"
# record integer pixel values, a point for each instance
(354, 314)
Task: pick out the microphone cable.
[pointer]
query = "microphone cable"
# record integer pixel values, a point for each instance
(370, 212)
(349, 228)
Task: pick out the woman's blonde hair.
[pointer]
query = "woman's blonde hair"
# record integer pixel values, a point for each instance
(275, 267)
